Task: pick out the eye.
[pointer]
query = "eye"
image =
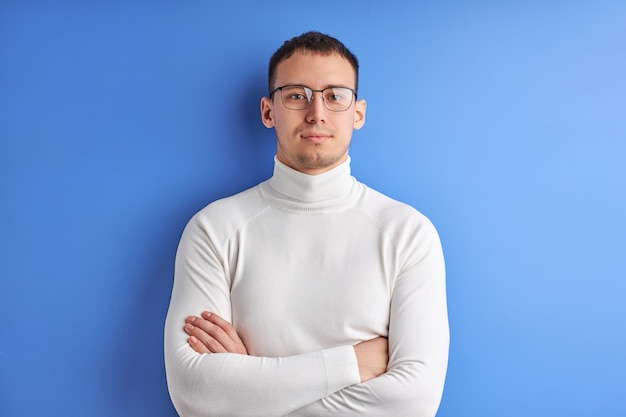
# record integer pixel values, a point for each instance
(334, 97)
(296, 96)
(337, 95)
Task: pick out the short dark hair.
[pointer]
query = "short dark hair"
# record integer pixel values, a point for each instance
(314, 42)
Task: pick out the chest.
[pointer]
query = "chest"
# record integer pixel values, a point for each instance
(306, 283)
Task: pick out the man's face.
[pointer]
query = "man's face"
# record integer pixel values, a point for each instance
(313, 140)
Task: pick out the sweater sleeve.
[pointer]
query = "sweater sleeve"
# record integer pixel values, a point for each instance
(418, 345)
(225, 384)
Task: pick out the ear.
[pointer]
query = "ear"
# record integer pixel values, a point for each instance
(267, 112)
(359, 114)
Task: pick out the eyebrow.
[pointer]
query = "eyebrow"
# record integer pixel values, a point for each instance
(327, 86)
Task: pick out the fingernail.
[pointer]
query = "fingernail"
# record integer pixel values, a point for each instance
(189, 327)
(193, 340)
(190, 319)
(206, 314)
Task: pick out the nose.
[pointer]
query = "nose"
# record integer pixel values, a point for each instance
(316, 112)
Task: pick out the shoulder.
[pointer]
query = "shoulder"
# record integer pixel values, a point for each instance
(388, 210)
(400, 222)
(224, 216)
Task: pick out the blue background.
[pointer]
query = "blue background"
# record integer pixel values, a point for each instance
(503, 121)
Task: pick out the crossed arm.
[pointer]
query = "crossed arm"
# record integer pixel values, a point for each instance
(210, 333)
(210, 372)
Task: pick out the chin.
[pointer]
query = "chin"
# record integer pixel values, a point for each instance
(316, 161)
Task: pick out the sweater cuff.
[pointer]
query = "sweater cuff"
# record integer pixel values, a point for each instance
(342, 368)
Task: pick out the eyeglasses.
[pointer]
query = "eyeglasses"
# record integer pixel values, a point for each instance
(299, 97)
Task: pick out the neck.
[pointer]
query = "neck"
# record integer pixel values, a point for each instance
(312, 170)
(332, 183)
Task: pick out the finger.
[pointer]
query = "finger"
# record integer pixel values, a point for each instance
(197, 345)
(222, 324)
(211, 329)
(224, 333)
(197, 328)
(220, 337)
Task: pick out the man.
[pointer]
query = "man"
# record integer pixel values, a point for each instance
(309, 294)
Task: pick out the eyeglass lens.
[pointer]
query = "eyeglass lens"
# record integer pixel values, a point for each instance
(299, 98)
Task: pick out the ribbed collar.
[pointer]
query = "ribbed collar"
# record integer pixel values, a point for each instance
(331, 185)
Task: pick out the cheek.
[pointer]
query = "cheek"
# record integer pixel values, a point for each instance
(347, 125)
(284, 123)
(282, 131)
(278, 117)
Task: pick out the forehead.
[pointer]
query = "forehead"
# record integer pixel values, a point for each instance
(315, 70)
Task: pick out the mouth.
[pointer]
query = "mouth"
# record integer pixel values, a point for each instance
(316, 137)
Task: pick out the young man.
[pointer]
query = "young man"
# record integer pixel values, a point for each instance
(309, 294)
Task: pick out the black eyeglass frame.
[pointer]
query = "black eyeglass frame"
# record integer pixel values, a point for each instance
(354, 92)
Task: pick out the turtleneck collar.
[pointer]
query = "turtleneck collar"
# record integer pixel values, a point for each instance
(333, 184)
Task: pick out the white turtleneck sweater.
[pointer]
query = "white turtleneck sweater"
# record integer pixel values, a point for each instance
(305, 267)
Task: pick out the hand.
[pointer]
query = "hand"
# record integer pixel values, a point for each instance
(212, 334)
(372, 356)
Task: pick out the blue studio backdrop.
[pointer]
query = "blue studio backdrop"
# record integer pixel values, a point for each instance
(502, 121)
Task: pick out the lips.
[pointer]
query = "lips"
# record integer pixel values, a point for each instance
(315, 137)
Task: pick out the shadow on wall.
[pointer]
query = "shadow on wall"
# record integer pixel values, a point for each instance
(136, 384)
(257, 143)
